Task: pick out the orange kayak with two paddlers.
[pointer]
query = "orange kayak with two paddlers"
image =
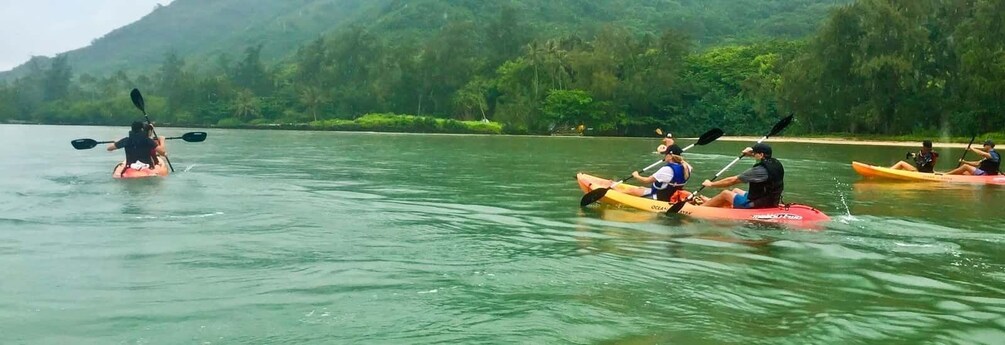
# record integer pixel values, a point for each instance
(872, 171)
(787, 214)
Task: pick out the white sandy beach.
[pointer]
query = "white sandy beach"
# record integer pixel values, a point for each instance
(835, 141)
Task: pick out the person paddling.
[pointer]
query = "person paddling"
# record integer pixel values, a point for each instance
(667, 141)
(765, 179)
(924, 160)
(139, 148)
(665, 183)
(161, 144)
(990, 165)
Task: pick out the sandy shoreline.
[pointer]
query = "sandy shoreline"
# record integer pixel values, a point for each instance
(836, 141)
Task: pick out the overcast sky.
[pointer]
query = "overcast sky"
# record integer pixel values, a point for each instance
(49, 27)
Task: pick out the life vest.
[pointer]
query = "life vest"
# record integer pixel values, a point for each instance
(991, 166)
(768, 193)
(666, 190)
(926, 162)
(138, 147)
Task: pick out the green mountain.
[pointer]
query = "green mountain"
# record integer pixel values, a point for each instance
(203, 31)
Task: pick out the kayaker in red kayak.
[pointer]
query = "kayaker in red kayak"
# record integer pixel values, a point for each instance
(666, 183)
(161, 148)
(765, 179)
(990, 165)
(139, 147)
(924, 160)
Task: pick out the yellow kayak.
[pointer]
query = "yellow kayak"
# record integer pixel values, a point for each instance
(789, 214)
(872, 171)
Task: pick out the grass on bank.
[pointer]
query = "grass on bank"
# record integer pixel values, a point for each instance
(380, 123)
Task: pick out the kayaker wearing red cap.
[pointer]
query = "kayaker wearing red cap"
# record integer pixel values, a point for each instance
(924, 160)
(990, 165)
(668, 180)
(765, 179)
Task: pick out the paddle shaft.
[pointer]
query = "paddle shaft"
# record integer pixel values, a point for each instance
(958, 164)
(654, 164)
(730, 165)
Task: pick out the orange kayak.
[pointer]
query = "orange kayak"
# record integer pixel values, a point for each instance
(872, 171)
(128, 173)
(787, 214)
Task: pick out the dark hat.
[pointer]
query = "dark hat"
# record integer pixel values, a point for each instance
(669, 135)
(673, 149)
(137, 126)
(926, 144)
(989, 143)
(761, 148)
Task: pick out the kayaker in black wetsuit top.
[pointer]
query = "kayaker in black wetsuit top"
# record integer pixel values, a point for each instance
(765, 179)
(924, 160)
(138, 147)
(990, 165)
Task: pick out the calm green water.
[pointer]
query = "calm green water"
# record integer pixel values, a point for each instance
(322, 237)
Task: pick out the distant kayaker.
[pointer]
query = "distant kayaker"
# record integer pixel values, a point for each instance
(139, 147)
(990, 165)
(665, 143)
(924, 160)
(666, 183)
(765, 179)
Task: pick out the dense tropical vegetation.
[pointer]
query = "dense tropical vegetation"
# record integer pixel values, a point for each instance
(931, 67)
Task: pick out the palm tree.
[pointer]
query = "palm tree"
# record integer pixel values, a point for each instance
(312, 98)
(246, 105)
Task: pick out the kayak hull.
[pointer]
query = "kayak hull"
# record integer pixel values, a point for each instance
(791, 214)
(121, 171)
(872, 171)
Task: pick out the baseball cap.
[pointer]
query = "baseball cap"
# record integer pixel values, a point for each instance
(761, 148)
(673, 149)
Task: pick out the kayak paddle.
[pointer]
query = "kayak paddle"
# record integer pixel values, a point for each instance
(960, 162)
(138, 102)
(784, 122)
(597, 194)
(84, 144)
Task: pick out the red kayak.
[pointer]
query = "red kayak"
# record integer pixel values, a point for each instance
(786, 214)
(122, 171)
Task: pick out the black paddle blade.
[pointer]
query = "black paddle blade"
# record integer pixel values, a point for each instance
(709, 136)
(780, 126)
(194, 137)
(138, 100)
(83, 144)
(676, 207)
(593, 196)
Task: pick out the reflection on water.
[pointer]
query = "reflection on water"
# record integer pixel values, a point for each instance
(924, 200)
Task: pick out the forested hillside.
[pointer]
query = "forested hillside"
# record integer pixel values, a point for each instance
(205, 31)
(617, 66)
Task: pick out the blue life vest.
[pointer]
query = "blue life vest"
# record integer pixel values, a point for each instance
(678, 180)
(665, 191)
